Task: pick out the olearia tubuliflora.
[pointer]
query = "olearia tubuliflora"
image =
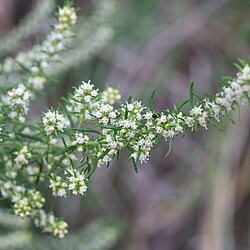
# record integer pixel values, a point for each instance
(88, 130)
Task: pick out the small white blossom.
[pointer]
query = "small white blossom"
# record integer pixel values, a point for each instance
(22, 156)
(111, 95)
(58, 186)
(76, 182)
(18, 99)
(52, 121)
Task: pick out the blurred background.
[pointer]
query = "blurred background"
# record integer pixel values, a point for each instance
(197, 198)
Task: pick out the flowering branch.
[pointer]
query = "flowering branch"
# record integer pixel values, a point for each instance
(88, 130)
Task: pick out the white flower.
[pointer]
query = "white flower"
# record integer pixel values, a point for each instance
(18, 99)
(52, 121)
(21, 160)
(196, 111)
(190, 121)
(59, 229)
(178, 129)
(111, 95)
(67, 16)
(202, 120)
(143, 158)
(130, 106)
(58, 186)
(87, 98)
(148, 115)
(112, 114)
(22, 207)
(23, 156)
(94, 92)
(76, 182)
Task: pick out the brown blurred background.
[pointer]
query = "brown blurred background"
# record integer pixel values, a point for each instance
(199, 197)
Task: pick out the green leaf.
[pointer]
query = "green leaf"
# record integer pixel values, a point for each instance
(87, 130)
(170, 147)
(31, 137)
(216, 126)
(191, 95)
(40, 164)
(111, 127)
(242, 62)
(27, 70)
(51, 79)
(223, 79)
(229, 117)
(209, 96)
(197, 96)
(130, 99)
(92, 171)
(150, 103)
(66, 150)
(104, 153)
(182, 105)
(239, 67)
(135, 165)
(237, 109)
(68, 114)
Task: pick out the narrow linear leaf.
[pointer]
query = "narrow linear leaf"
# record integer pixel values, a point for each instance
(182, 105)
(151, 98)
(118, 154)
(51, 79)
(87, 130)
(239, 67)
(104, 153)
(229, 117)
(31, 137)
(111, 127)
(72, 125)
(197, 96)
(191, 95)
(92, 171)
(170, 147)
(237, 110)
(66, 150)
(216, 126)
(130, 99)
(135, 165)
(40, 171)
(27, 70)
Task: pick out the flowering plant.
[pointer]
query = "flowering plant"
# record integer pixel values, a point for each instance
(88, 130)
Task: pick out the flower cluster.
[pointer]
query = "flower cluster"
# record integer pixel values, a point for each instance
(58, 186)
(18, 100)
(111, 95)
(36, 65)
(25, 203)
(32, 69)
(38, 59)
(138, 128)
(67, 17)
(53, 121)
(50, 224)
(99, 132)
(29, 203)
(84, 100)
(23, 156)
(80, 141)
(76, 182)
